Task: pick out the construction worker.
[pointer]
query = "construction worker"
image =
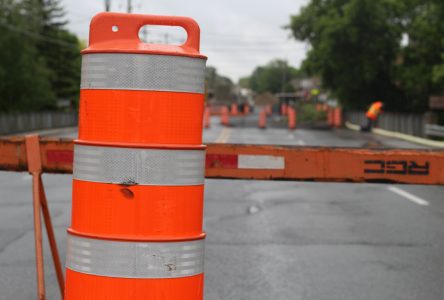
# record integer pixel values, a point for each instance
(372, 115)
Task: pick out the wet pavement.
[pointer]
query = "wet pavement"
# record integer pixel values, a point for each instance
(273, 240)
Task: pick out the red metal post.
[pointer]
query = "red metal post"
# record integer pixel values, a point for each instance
(33, 154)
(51, 238)
(35, 169)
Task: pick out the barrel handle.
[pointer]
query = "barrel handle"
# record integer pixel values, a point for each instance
(108, 27)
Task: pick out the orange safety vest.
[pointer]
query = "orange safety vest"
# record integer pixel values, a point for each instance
(374, 110)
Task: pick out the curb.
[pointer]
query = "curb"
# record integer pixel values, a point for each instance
(43, 132)
(398, 135)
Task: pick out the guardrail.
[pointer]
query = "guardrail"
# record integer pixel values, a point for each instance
(434, 130)
(411, 124)
(22, 122)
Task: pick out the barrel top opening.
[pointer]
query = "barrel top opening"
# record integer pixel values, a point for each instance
(119, 33)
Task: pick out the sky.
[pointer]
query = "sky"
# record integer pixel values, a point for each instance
(236, 35)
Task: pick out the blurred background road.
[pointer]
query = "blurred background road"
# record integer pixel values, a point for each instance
(272, 240)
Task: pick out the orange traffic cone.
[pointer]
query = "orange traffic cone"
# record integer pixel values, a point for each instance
(137, 207)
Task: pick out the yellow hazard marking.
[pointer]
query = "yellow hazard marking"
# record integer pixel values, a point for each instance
(224, 136)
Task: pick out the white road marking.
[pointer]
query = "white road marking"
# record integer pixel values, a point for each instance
(301, 143)
(408, 196)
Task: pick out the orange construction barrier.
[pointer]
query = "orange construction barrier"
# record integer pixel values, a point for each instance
(139, 162)
(263, 119)
(224, 116)
(270, 162)
(234, 111)
(291, 118)
(207, 117)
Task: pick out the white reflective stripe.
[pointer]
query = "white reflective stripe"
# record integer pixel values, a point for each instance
(121, 71)
(135, 166)
(135, 259)
(261, 162)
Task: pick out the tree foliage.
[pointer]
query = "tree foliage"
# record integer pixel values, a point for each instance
(218, 87)
(40, 60)
(274, 77)
(359, 49)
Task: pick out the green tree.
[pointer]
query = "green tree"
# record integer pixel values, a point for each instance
(244, 82)
(417, 71)
(40, 59)
(218, 86)
(353, 45)
(274, 77)
(356, 49)
(60, 49)
(24, 78)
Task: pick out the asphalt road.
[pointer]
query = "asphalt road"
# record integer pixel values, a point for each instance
(273, 240)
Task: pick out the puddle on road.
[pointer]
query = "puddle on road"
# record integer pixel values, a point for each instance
(253, 209)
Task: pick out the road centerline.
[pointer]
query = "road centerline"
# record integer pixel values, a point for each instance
(224, 136)
(408, 196)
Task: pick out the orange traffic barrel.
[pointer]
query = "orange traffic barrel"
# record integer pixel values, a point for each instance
(330, 116)
(207, 117)
(337, 117)
(263, 119)
(269, 110)
(138, 178)
(284, 109)
(224, 116)
(246, 109)
(291, 118)
(234, 110)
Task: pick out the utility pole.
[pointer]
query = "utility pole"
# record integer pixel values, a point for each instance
(129, 8)
(107, 5)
